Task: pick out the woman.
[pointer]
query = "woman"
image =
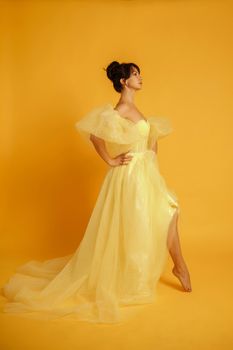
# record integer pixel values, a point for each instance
(127, 80)
(131, 229)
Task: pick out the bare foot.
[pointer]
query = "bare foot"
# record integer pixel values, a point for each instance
(184, 277)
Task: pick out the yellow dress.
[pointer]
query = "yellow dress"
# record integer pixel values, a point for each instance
(124, 247)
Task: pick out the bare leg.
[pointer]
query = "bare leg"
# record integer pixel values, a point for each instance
(180, 269)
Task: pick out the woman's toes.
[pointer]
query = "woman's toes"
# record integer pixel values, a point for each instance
(183, 276)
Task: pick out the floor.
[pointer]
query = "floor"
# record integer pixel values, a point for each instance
(180, 320)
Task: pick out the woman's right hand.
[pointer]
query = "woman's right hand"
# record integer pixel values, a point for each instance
(121, 159)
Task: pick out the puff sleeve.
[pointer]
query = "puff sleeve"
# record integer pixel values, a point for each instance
(105, 123)
(159, 127)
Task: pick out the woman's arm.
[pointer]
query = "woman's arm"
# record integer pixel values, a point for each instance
(100, 147)
(120, 159)
(155, 146)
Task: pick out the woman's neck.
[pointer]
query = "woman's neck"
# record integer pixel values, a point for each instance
(127, 96)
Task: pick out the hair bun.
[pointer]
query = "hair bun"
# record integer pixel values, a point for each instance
(112, 69)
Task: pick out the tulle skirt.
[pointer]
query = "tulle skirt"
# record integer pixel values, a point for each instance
(119, 260)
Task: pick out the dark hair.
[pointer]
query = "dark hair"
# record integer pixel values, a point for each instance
(116, 71)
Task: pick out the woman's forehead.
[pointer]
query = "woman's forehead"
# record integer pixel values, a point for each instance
(134, 69)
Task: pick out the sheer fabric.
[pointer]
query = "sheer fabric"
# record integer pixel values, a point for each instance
(124, 247)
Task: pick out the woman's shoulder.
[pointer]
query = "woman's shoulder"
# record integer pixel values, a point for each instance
(122, 109)
(105, 122)
(129, 112)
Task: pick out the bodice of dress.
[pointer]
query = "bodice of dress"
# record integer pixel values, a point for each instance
(143, 129)
(121, 134)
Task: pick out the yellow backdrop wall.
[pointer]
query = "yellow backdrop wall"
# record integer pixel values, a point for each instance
(53, 55)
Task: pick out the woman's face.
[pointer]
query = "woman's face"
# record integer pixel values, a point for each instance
(135, 79)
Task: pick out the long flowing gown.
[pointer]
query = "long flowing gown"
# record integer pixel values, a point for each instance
(124, 247)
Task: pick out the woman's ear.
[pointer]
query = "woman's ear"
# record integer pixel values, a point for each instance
(123, 81)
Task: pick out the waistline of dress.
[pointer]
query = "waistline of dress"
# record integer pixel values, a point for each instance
(142, 152)
(145, 155)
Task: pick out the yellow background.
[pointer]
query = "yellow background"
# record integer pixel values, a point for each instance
(52, 59)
